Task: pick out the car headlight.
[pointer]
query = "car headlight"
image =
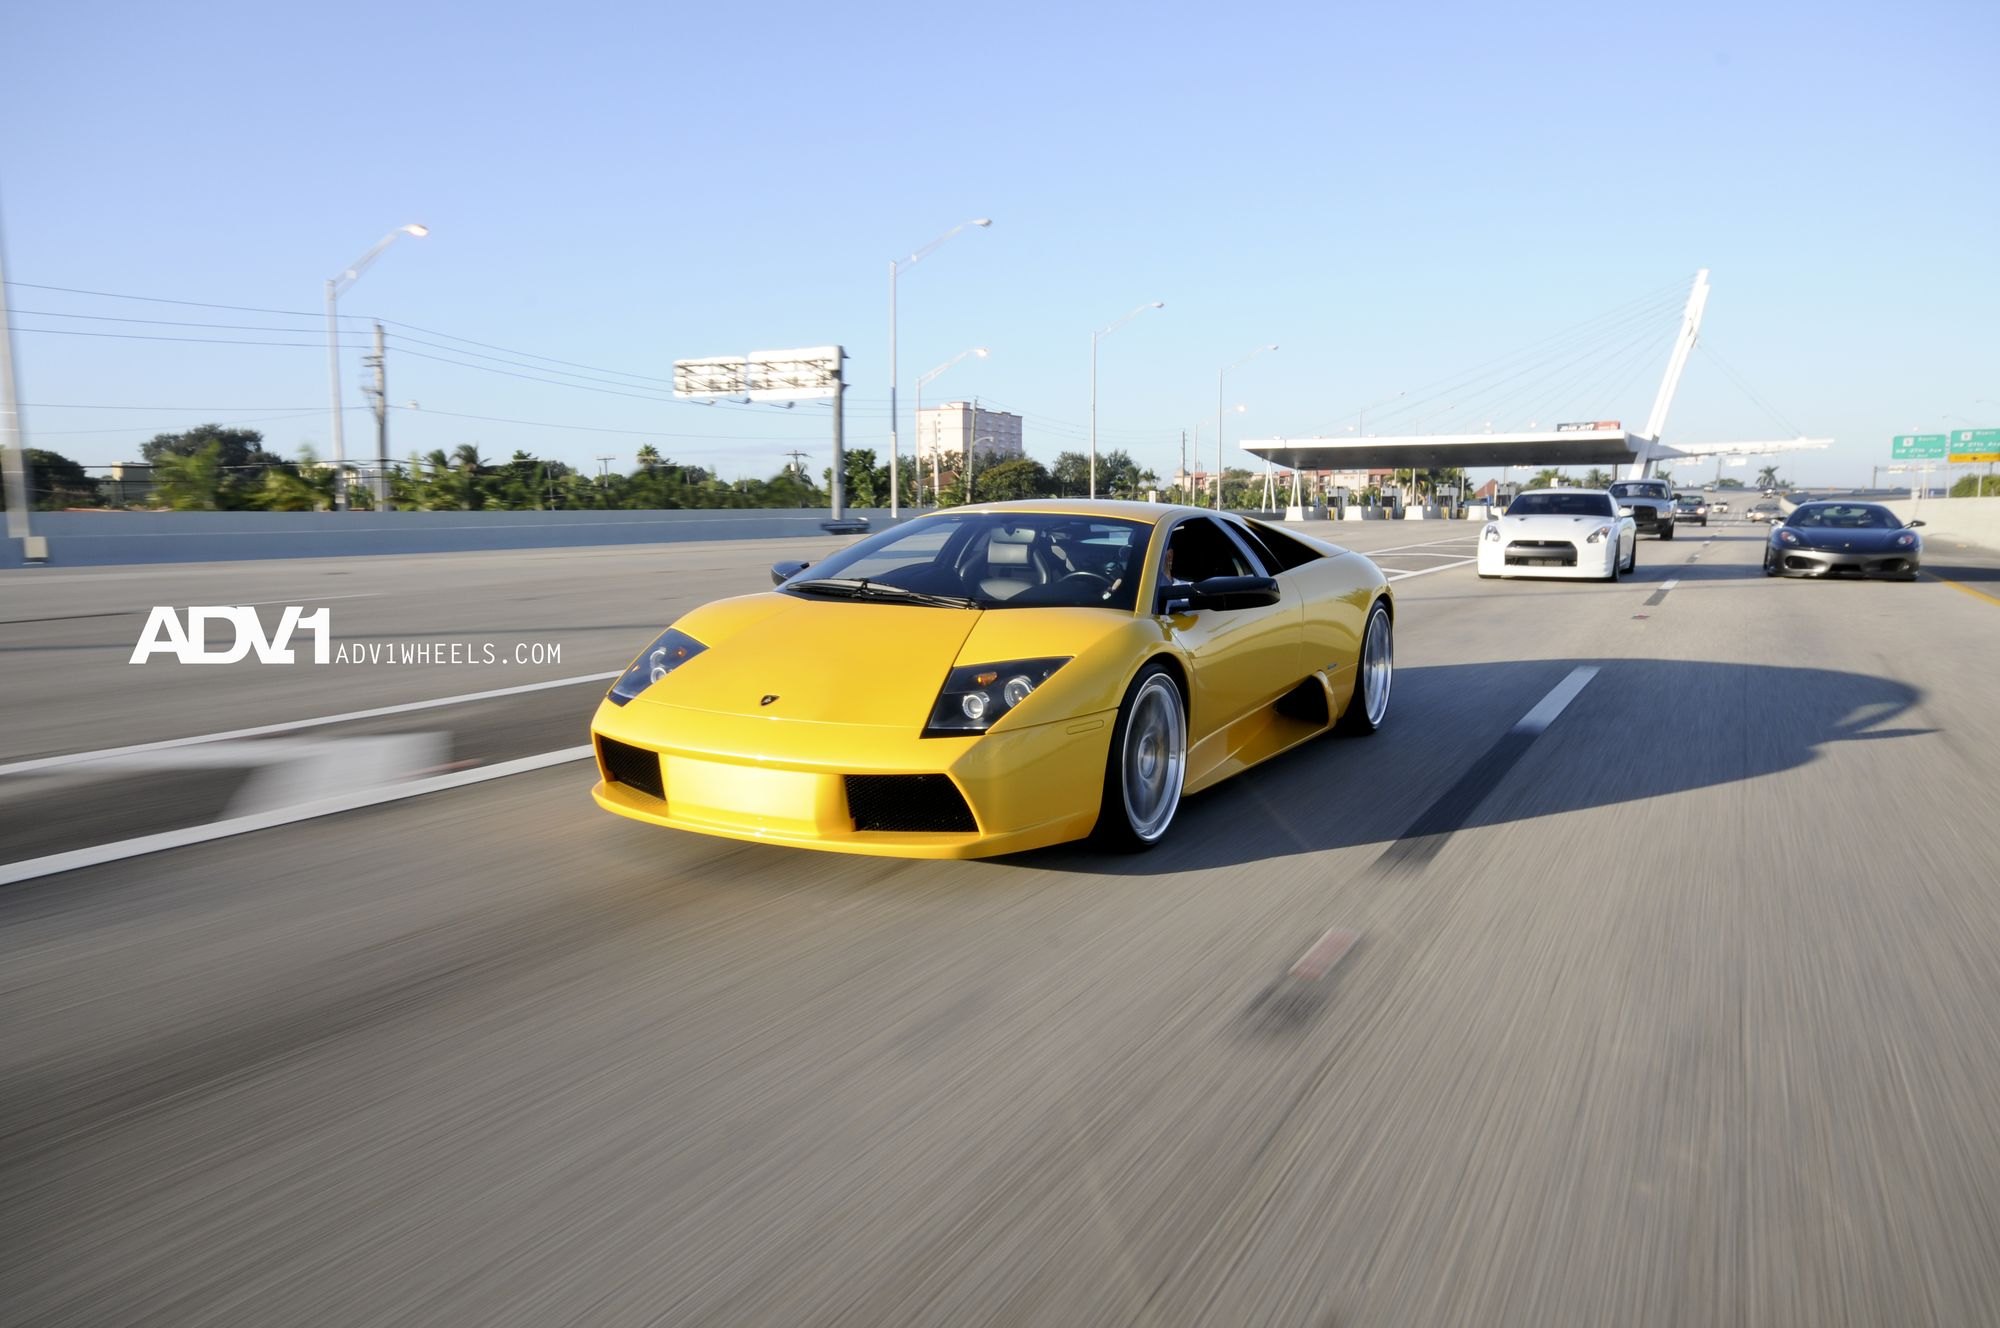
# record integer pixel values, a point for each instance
(656, 661)
(1597, 536)
(1786, 536)
(1491, 533)
(976, 695)
(1906, 540)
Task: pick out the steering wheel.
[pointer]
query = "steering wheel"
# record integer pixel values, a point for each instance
(1101, 580)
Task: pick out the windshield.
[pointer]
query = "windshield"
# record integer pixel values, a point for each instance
(990, 560)
(1845, 516)
(1581, 503)
(1639, 489)
(1688, 500)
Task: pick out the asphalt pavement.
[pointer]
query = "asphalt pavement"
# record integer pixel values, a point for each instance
(1640, 971)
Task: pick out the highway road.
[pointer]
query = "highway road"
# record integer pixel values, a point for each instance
(1641, 971)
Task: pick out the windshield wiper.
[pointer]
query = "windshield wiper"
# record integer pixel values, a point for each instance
(841, 587)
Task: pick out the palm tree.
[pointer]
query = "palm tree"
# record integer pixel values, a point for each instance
(649, 456)
(465, 459)
(1596, 478)
(1548, 479)
(1767, 478)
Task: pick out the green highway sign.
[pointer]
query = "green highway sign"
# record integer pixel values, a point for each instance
(1975, 444)
(1917, 447)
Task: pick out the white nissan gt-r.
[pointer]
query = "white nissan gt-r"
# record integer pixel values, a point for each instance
(1579, 533)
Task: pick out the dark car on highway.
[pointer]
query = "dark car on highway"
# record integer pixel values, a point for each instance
(1691, 507)
(1834, 538)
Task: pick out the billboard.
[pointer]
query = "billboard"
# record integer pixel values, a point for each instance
(1589, 426)
(1975, 444)
(809, 374)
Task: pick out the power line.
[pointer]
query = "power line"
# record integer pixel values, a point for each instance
(192, 304)
(1777, 417)
(199, 341)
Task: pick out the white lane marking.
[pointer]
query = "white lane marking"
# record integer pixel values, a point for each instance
(1453, 553)
(29, 869)
(1669, 584)
(291, 725)
(1546, 710)
(302, 599)
(1393, 573)
(1431, 544)
(1324, 953)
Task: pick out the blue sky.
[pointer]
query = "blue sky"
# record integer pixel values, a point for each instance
(1393, 193)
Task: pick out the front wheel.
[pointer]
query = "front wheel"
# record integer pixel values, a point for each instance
(1667, 531)
(1770, 564)
(1147, 765)
(1374, 671)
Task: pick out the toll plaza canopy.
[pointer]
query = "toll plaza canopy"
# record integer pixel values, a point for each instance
(1555, 447)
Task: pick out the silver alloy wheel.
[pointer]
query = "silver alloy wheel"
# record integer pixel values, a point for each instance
(1155, 758)
(1378, 667)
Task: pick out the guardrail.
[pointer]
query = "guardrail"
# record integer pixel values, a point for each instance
(109, 539)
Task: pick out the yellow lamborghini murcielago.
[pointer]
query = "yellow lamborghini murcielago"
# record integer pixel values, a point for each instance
(988, 679)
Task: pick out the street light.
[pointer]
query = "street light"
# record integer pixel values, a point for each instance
(334, 286)
(980, 351)
(1220, 374)
(1106, 331)
(896, 266)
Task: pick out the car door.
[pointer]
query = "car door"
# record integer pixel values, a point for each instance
(1241, 660)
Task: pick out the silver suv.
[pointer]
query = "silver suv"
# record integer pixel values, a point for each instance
(1652, 504)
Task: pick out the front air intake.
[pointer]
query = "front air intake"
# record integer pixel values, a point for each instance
(908, 803)
(634, 767)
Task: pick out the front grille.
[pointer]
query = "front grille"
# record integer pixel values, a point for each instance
(907, 803)
(634, 767)
(1541, 553)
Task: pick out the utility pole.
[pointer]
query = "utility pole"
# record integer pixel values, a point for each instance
(1181, 480)
(798, 462)
(13, 456)
(380, 393)
(839, 485)
(971, 445)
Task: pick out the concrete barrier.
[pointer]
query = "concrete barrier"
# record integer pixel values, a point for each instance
(107, 539)
(1973, 521)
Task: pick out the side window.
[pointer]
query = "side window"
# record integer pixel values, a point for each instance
(1198, 549)
(1264, 562)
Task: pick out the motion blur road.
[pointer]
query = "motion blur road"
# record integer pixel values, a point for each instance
(1682, 1009)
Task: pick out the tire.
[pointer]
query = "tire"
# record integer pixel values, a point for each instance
(1667, 531)
(1368, 705)
(1616, 570)
(1632, 558)
(1142, 787)
(1770, 564)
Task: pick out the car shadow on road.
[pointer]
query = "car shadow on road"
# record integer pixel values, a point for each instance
(1735, 722)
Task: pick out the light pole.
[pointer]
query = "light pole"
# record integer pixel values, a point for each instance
(922, 382)
(334, 286)
(896, 266)
(1102, 332)
(970, 449)
(1221, 374)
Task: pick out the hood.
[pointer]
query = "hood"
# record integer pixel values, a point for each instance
(826, 661)
(1552, 526)
(1857, 541)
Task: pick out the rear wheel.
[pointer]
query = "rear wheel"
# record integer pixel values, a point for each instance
(1147, 765)
(1374, 671)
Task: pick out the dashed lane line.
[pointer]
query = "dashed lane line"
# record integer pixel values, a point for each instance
(52, 864)
(291, 725)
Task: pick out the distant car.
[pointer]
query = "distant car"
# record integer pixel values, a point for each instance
(1652, 504)
(1579, 533)
(1826, 539)
(1691, 507)
(1719, 505)
(1765, 512)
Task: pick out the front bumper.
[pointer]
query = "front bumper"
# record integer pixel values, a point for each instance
(787, 782)
(1573, 561)
(1903, 564)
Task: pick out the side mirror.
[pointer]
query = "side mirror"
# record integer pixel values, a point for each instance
(1233, 592)
(783, 572)
(1916, 523)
